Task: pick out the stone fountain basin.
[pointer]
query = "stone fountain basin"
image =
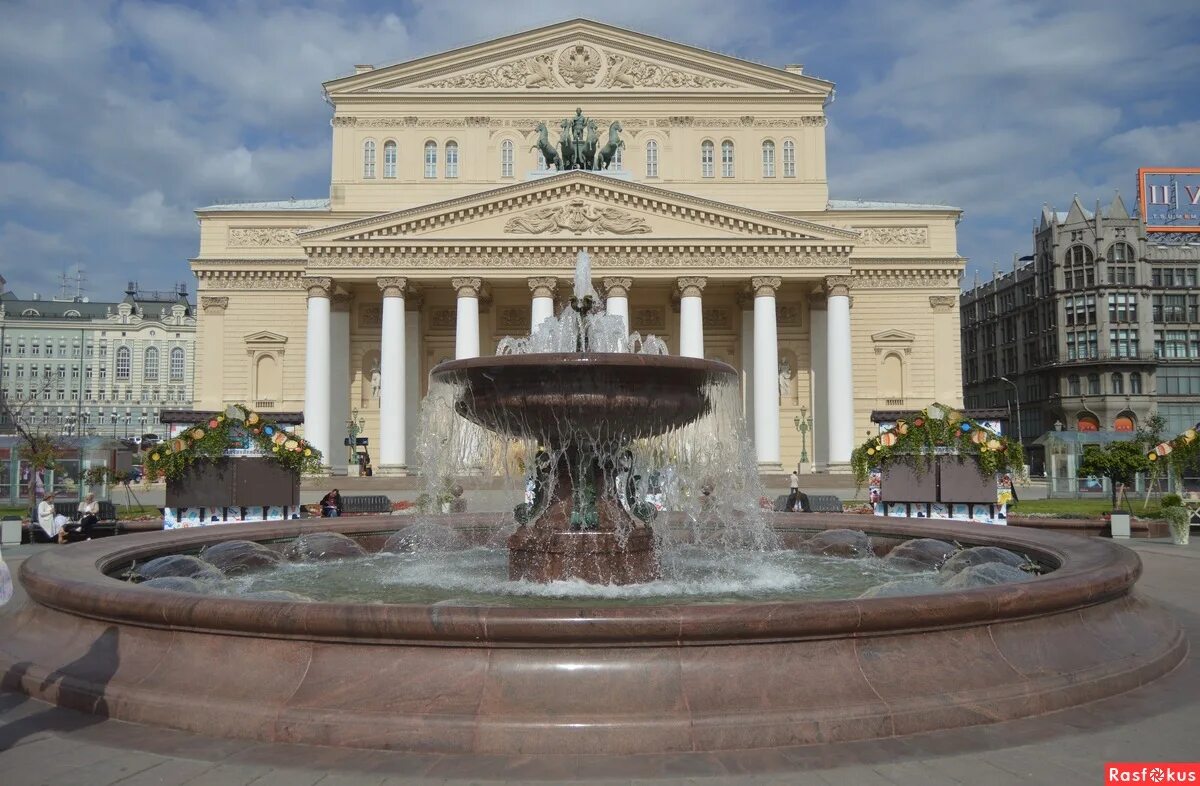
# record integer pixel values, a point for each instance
(605, 397)
(501, 680)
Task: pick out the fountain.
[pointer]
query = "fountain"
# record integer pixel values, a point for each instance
(583, 409)
(603, 625)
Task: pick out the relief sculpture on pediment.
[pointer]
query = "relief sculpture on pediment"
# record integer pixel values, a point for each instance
(579, 217)
(530, 72)
(628, 72)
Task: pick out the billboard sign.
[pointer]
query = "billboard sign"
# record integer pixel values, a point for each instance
(1170, 198)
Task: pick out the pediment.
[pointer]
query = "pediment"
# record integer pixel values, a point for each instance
(578, 56)
(574, 205)
(265, 337)
(893, 336)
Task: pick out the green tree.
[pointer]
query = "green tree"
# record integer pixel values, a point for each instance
(1120, 462)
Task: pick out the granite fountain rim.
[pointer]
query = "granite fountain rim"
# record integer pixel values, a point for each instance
(72, 579)
(587, 358)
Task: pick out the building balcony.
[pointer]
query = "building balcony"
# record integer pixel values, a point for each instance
(1139, 358)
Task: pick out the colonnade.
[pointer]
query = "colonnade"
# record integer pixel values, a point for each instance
(830, 336)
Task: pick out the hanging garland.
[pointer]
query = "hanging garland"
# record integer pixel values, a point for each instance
(943, 431)
(210, 441)
(1176, 455)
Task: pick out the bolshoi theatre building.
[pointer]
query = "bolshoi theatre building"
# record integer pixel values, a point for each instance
(463, 186)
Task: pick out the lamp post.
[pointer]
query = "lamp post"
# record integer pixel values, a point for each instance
(354, 426)
(803, 424)
(1017, 399)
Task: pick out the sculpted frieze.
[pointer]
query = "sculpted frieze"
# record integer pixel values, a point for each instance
(262, 237)
(579, 64)
(518, 260)
(530, 72)
(628, 72)
(579, 217)
(893, 236)
(229, 279)
(907, 279)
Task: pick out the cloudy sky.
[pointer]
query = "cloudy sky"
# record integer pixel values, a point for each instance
(118, 118)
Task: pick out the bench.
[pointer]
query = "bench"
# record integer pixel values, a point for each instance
(106, 523)
(355, 504)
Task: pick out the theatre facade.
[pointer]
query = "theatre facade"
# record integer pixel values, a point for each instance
(456, 211)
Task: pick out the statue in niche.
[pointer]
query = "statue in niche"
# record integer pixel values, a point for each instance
(370, 378)
(785, 380)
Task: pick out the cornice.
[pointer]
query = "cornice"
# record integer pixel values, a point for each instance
(541, 258)
(572, 182)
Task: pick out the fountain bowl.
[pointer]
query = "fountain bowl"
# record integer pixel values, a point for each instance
(621, 679)
(605, 397)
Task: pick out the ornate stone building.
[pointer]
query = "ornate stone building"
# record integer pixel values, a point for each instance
(712, 227)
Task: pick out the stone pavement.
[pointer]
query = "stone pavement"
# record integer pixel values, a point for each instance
(40, 744)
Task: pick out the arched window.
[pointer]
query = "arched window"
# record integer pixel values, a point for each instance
(768, 156)
(1135, 383)
(177, 364)
(150, 363)
(1073, 385)
(506, 159)
(451, 159)
(369, 158)
(1120, 253)
(706, 159)
(1079, 270)
(727, 158)
(431, 159)
(1093, 384)
(652, 159)
(123, 363)
(389, 158)
(1118, 383)
(1125, 422)
(267, 380)
(891, 377)
(1086, 421)
(789, 158)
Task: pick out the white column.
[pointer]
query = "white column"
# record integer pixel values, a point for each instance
(691, 317)
(766, 373)
(339, 383)
(392, 346)
(542, 306)
(840, 378)
(412, 375)
(466, 336)
(616, 298)
(746, 355)
(317, 367)
(819, 372)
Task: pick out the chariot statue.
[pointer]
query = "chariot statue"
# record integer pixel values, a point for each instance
(579, 144)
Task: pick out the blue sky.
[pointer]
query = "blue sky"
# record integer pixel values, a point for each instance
(118, 118)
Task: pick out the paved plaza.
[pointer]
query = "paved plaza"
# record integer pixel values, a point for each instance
(40, 744)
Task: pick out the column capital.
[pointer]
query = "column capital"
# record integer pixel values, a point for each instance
(816, 300)
(542, 286)
(467, 287)
(617, 286)
(317, 286)
(838, 286)
(392, 286)
(765, 286)
(943, 303)
(340, 301)
(214, 305)
(691, 286)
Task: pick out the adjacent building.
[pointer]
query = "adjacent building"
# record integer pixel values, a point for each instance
(1095, 331)
(70, 366)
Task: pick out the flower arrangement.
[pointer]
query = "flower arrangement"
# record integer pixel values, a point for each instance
(210, 440)
(938, 430)
(1175, 455)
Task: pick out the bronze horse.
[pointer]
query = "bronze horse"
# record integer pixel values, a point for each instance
(604, 155)
(552, 156)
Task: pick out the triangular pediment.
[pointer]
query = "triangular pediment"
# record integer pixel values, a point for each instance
(578, 56)
(265, 337)
(574, 205)
(893, 336)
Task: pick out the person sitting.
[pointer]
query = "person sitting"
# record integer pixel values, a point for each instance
(49, 527)
(331, 505)
(89, 516)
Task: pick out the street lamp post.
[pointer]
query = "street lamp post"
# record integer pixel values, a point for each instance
(803, 425)
(1017, 400)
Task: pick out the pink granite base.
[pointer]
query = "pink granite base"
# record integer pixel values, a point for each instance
(552, 680)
